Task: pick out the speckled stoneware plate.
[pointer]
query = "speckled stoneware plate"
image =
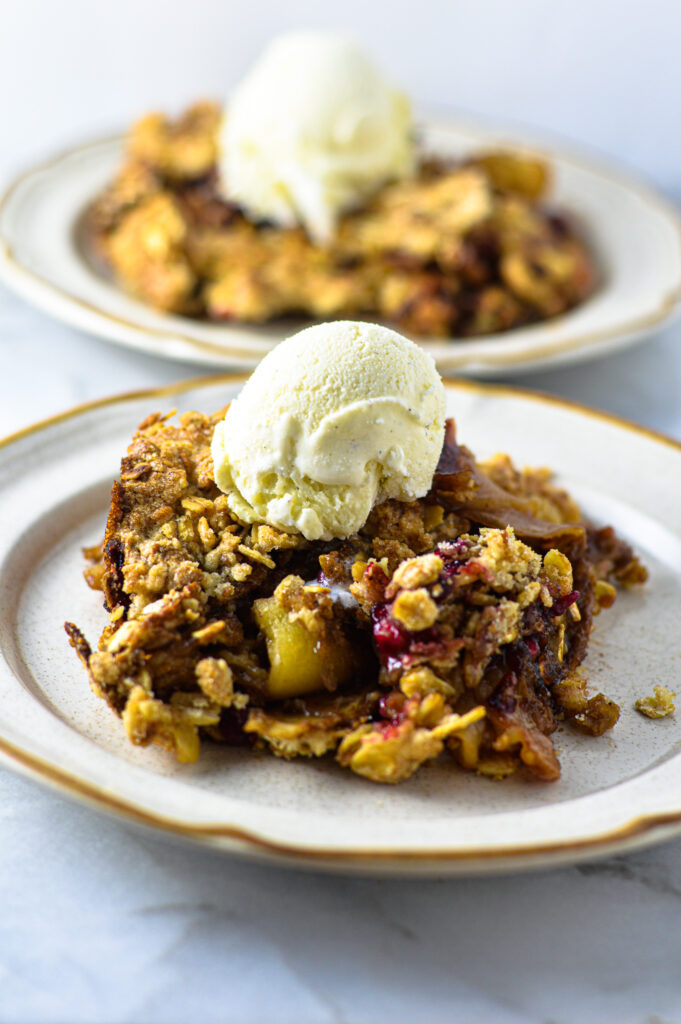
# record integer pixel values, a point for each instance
(635, 234)
(616, 792)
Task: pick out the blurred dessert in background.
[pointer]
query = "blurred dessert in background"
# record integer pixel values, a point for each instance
(311, 132)
(310, 196)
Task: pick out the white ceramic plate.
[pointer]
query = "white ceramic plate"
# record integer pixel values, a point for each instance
(616, 792)
(635, 234)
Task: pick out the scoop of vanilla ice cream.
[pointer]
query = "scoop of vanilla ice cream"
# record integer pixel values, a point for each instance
(311, 131)
(335, 419)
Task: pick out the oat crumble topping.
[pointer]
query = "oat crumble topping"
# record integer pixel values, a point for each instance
(454, 625)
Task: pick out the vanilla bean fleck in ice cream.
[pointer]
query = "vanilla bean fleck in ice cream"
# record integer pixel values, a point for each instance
(334, 420)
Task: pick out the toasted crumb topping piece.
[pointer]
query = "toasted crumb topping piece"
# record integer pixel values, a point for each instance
(392, 751)
(660, 704)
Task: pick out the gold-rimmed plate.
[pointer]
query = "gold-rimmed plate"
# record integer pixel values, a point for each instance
(635, 235)
(616, 792)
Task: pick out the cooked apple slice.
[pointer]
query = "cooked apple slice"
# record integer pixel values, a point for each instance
(300, 662)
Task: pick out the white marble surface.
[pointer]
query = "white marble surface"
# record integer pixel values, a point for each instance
(100, 923)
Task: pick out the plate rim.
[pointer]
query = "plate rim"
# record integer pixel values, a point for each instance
(641, 829)
(88, 316)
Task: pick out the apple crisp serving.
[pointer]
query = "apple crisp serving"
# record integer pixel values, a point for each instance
(455, 623)
(454, 250)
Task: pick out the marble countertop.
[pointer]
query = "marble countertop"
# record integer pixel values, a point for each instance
(101, 923)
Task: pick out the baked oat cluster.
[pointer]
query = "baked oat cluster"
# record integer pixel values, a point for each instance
(457, 250)
(456, 623)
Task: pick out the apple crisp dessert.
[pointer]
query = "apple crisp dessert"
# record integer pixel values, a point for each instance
(455, 250)
(455, 623)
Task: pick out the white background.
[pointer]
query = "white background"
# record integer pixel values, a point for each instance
(100, 925)
(603, 72)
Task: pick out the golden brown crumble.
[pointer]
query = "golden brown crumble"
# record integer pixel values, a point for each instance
(454, 623)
